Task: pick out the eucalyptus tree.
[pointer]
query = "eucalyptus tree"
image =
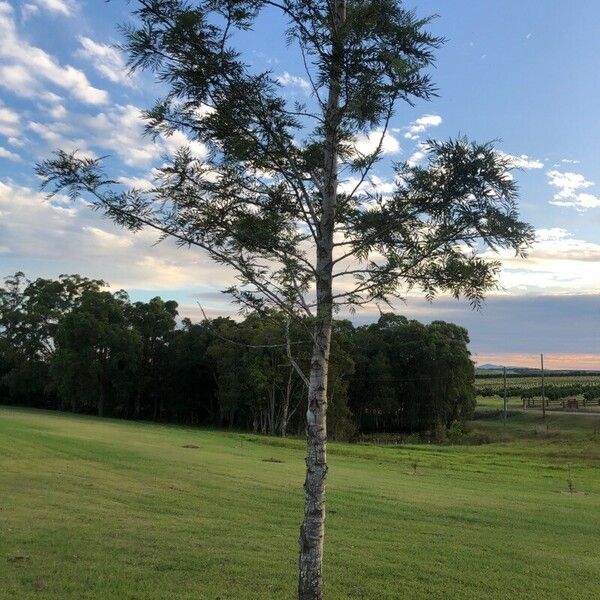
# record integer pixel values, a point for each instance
(30, 312)
(283, 194)
(155, 322)
(97, 354)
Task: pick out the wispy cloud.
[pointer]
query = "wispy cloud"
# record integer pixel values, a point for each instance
(288, 79)
(61, 237)
(26, 70)
(106, 59)
(421, 125)
(63, 7)
(558, 262)
(9, 122)
(4, 153)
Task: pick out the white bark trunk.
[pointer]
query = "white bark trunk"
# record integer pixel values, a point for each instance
(285, 410)
(312, 531)
(310, 582)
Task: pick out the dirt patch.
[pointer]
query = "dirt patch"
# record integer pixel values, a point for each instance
(190, 446)
(272, 460)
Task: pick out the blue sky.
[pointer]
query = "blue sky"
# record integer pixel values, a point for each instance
(510, 71)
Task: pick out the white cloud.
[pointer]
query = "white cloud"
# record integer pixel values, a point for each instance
(557, 243)
(58, 237)
(523, 161)
(60, 134)
(416, 158)
(139, 183)
(557, 262)
(371, 185)
(120, 129)
(57, 111)
(18, 80)
(106, 59)
(567, 182)
(368, 143)
(106, 239)
(63, 7)
(26, 69)
(287, 79)
(569, 195)
(177, 139)
(422, 124)
(4, 153)
(569, 161)
(580, 202)
(9, 122)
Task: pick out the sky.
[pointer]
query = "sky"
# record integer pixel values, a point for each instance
(521, 72)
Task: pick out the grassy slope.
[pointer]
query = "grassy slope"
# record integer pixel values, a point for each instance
(104, 509)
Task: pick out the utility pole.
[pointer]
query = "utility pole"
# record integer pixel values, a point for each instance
(543, 389)
(504, 417)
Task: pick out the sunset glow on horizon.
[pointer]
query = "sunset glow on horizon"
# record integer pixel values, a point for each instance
(584, 362)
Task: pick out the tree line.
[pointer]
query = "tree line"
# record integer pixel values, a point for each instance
(590, 390)
(68, 344)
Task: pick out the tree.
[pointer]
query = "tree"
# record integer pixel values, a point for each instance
(268, 199)
(154, 321)
(191, 381)
(411, 376)
(97, 354)
(30, 312)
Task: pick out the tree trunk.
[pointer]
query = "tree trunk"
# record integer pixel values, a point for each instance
(312, 531)
(285, 409)
(101, 399)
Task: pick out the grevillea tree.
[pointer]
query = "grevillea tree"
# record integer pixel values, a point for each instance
(283, 195)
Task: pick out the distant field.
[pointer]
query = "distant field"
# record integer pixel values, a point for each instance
(102, 509)
(534, 381)
(487, 385)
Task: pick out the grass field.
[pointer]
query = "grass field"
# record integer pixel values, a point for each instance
(516, 403)
(104, 509)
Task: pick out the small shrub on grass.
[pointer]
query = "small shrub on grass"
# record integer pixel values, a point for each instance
(414, 465)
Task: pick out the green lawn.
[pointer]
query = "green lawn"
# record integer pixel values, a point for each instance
(104, 509)
(516, 403)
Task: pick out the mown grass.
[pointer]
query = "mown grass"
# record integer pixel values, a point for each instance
(516, 402)
(94, 508)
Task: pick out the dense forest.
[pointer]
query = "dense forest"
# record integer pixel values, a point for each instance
(68, 344)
